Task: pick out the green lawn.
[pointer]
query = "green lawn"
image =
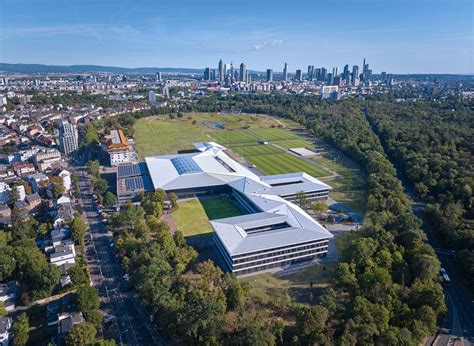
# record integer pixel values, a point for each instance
(280, 163)
(242, 133)
(192, 216)
(160, 135)
(155, 137)
(297, 285)
(350, 188)
(294, 143)
(220, 208)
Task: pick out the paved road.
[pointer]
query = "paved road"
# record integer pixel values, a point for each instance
(130, 326)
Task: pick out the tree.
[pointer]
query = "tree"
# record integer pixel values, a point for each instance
(302, 200)
(78, 275)
(110, 199)
(174, 200)
(37, 276)
(87, 298)
(79, 229)
(100, 186)
(58, 191)
(91, 136)
(7, 263)
(93, 167)
(21, 329)
(3, 310)
(311, 321)
(82, 334)
(320, 207)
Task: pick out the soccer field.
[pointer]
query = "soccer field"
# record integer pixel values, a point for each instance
(157, 137)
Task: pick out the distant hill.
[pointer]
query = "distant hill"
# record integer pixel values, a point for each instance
(39, 68)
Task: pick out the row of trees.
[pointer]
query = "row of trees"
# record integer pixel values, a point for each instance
(432, 142)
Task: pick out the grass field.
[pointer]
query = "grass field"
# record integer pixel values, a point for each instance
(192, 216)
(242, 134)
(158, 136)
(297, 285)
(284, 163)
(350, 188)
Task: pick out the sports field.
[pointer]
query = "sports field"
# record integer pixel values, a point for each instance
(243, 134)
(192, 217)
(160, 136)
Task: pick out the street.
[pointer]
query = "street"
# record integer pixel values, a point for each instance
(129, 326)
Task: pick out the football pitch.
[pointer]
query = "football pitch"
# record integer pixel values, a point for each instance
(158, 137)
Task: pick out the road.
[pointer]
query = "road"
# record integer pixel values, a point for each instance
(130, 325)
(459, 320)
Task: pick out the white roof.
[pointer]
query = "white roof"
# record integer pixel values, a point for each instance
(211, 166)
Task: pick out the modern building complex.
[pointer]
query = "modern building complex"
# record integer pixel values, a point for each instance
(68, 137)
(273, 231)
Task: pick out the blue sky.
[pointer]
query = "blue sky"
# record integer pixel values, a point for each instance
(399, 36)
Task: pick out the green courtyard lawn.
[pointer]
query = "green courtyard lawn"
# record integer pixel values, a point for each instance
(219, 208)
(192, 217)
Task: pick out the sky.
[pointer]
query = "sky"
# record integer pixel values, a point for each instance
(396, 36)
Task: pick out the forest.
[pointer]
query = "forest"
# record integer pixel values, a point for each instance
(432, 143)
(386, 289)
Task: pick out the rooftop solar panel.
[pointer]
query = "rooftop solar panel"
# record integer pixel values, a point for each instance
(128, 170)
(185, 165)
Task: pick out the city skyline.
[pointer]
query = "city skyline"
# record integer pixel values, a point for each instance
(400, 37)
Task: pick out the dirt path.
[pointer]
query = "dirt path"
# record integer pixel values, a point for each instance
(166, 217)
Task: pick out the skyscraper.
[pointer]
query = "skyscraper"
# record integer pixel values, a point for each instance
(243, 73)
(334, 71)
(310, 75)
(231, 73)
(68, 137)
(355, 75)
(158, 76)
(207, 74)
(324, 73)
(269, 75)
(299, 75)
(221, 71)
(345, 73)
(330, 78)
(285, 72)
(317, 74)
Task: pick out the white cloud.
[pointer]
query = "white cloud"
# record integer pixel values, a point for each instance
(268, 44)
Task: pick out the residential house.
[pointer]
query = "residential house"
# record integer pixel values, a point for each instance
(5, 191)
(23, 168)
(33, 201)
(63, 255)
(63, 211)
(5, 326)
(66, 178)
(8, 294)
(37, 181)
(5, 214)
